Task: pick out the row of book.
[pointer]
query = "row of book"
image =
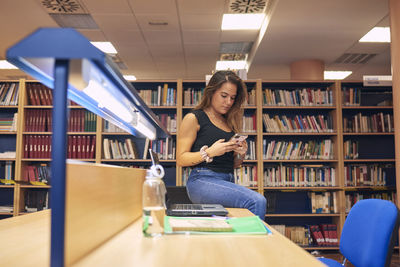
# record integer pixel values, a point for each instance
(298, 97)
(375, 123)
(165, 148)
(9, 124)
(169, 122)
(299, 176)
(192, 96)
(163, 96)
(246, 175)
(249, 123)
(36, 200)
(298, 124)
(9, 94)
(350, 148)
(8, 173)
(40, 120)
(79, 146)
(251, 153)
(8, 155)
(36, 173)
(323, 235)
(365, 175)
(115, 149)
(109, 127)
(251, 98)
(39, 94)
(353, 198)
(298, 150)
(324, 202)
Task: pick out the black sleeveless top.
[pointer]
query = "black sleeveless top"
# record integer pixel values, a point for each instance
(207, 135)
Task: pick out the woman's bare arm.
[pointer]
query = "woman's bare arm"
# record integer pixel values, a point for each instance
(187, 135)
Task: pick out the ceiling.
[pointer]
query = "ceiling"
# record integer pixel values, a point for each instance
(188, 46)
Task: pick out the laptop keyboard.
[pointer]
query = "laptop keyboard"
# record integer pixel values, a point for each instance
(189, 206)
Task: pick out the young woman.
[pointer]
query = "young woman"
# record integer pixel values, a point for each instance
(204, 143)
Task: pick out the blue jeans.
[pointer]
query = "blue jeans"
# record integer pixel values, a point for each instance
(205, 186)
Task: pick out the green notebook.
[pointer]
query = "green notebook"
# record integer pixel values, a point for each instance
(240, 225)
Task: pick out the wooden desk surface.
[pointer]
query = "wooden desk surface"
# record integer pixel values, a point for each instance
(26, 242)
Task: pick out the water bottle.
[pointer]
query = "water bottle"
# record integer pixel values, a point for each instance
(154, 202)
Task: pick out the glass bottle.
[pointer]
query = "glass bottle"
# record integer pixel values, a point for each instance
(154, 202)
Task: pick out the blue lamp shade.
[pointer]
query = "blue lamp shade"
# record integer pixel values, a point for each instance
(94, 81)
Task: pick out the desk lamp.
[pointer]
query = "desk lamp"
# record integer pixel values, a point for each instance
(64, 60)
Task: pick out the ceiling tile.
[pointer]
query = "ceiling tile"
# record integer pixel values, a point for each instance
(107, 7)
(163, 37)
(121, 37)
(153, 6)
(201, 21)
(116, 21)
(94, 35)
(144, 21)
(201, 7)
(201, 36)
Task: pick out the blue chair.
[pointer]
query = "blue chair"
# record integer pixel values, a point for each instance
(368, 234)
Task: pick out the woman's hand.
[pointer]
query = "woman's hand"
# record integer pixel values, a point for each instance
(220, 147)
(241, 149)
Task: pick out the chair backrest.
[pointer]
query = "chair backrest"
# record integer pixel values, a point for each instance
(368, 233)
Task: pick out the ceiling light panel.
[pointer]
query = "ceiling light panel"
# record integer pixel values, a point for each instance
(106, 47)
(5, 65)
(242, 21)
(336, 75)
(377, 35)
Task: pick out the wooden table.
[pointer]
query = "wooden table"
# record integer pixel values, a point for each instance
(26, 242)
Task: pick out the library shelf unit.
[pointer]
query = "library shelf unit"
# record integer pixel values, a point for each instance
(293, 124)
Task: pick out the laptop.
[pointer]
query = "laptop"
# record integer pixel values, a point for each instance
(180, 209)
(196, 210)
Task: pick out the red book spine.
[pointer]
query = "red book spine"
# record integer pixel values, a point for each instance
(83, 147)
(79, 147)
(74, 147)
(69, 146)
(92, 147)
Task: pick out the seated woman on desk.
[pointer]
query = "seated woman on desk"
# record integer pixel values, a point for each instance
(204, 143)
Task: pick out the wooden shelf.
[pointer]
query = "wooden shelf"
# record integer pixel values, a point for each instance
(320, 248)
(24, 159)
(367, 107)
(368, 160)
(35, 186)
(162, 107)
(5, 107)
(303, 215)
(297, 133)
(344, 134)
(305, 188)
(136, 160)
(44, 106)
(7, 186)
(7, 159)
(6, 213)
(373, 188)
(7, 133)
(298, 107)
(299, 160)
(118, 133)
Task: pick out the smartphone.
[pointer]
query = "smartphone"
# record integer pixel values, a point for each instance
(238, 138)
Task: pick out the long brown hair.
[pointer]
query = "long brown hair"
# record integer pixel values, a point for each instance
(235, 113)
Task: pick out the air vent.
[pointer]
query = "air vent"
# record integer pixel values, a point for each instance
(247, 6)
(63, 7)
(354, 58)
(77, 21)
(235, 48)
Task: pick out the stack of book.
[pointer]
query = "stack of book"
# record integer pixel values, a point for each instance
(192, 96)
(284, 150)
(375, 123)
(249, 123)
(324, 235)
(39, 94)
(251, 98)
(246, 175)
(324, 202)
(298, 97)
(9, 124)
(298, 124)
(9, 94)
(302, 175)
(350, 148)
(352, 198)
(36, 173)
(163, 96)
(365, 175)
(168, 121)
(115, 149)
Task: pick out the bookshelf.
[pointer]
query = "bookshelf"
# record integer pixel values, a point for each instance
(326, 126)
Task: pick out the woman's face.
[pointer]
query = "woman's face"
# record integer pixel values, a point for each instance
(224, 97)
